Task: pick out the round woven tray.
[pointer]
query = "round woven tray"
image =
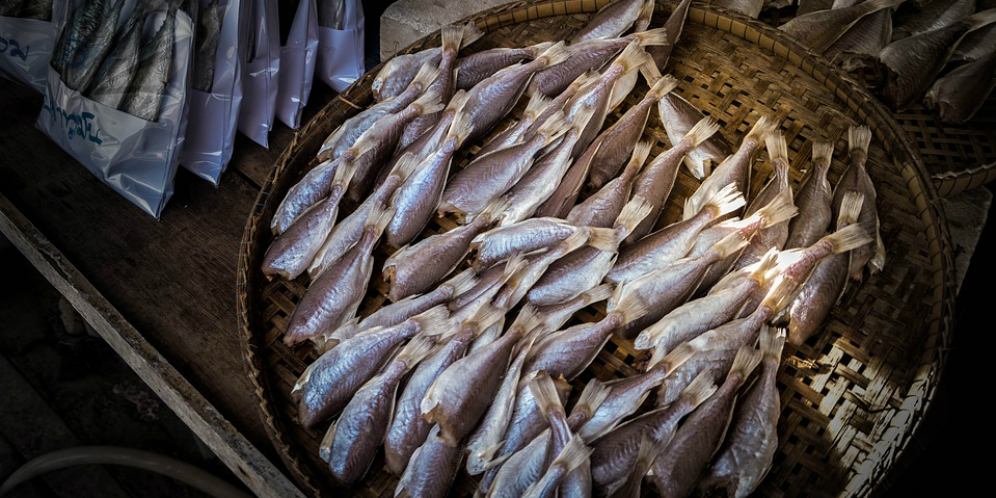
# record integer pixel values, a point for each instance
(852, 396)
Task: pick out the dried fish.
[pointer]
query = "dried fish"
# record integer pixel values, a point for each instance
(818, 30)
(603, 207)
(959, 95)
(85, 20)
(914, 62)
(113, 79)
(618, 141)
(333, 298)
(826, 284)
(92, 49)
(673, 26)
(208, 34)
(442, 87)
(572, 457)
(646, 455)
(475, 67)
(616, 452)
(679, 117)
(975, 45)
(862, 41)
(523, 238)
(657, 179)
(855, 178)
(146, 92)
(613, 20)
(734, 169)
(674, 241)
(775, 235)
(935, 14)
(328, 384)
(677, 471)
(749, 8)
(431, 470)
(516, 132)
(813, 200)
(352, 441)
(556, 315)
(807, 6)
(400, 70)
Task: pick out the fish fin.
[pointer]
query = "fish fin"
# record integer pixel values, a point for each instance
(496, 210)
(512, 267)
(583, 79)
(457, 101)
(651, 73)
(537, 103)
(428, 103)
(545, 394)
(663, 86)
(777, 211)
(581, 119)
(364, 144)
(461, 127)
(487, 316)
(847, 238)
(471, 33)
(822, 151)
(858, 139)
(555, 126)
(452, 36)
(725, 200)
(639, 156)
(573, 455)
(406, 166)
(648, 450)
(850, 208)
(416, 351)
(702, 131)
(425, 76)
(981, 19)
(630, 307)
(781, 294)
(674, 358)
(730, 244)
(463, 282)
(539, 48)
(766, 267)
(597, 294)
(651, 37)
(772, 341)
(529, 319)
(747, 358)
(646, 13)
(762, 128)
(701, 387)
(878, 259)
(555, 54)
(594, 394)
(632, 57)
(632, 214)
(777, 148)
(434, 321)
(379, 217)
(576, 240)
(325, 448)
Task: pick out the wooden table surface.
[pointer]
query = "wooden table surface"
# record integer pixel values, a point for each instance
(170, 280)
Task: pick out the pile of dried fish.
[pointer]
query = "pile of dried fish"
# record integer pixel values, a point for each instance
(40, 10)
(486, 352)
(926, 50)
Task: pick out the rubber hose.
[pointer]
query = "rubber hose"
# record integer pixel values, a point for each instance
(113, 455)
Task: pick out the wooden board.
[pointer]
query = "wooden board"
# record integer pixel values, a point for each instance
(158, 291)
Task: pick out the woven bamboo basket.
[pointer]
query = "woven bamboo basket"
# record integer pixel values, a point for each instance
(852, 396)
(957, 157)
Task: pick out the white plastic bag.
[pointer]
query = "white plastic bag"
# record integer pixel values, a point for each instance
(214, 114)
(135, 157)
(260, 79)
(26, 47)
(297, 64)
(340, 47)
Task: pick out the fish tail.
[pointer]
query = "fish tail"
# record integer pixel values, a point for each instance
(850, 208)
(457, 101)
(379, 217)
(428, 103)
(452, 36)
(981, 19)
(576, 240)
(766, 267)
(343, 175)
(781, 294)
(730, 244)
(592, 397)
(512, 267)
(554, 127)
(539, 48)
(764, 127)
(630, 306)
(363, 145)
(632, 214)
(702, 131)
(425, 76)
(772, 341)
(325, 448)
(652, 334)
(663, 86)
(632, 57)
(638, 158)
(648, 450)
(461, 128)
(463, 282)
(496, 210)
(847, 238)
(583, 79)
(780, 209)
(530, 318)
(858, 139)
(651, 37)
(434, 321)
(701, 387)
(406, 166)
(471, 33)
(487, 316)
(673, 359)
(545, 394)
(554, 55)
(651, 73)
(416, 351)
(822, 152)
(745, 361)
(572, 456)
(597, 294)
(646, 13)
(581, 119)
(777, 148)
(725, 200)
(878, 259)
(536, 104)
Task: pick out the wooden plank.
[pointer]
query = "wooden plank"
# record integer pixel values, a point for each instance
(261, 476)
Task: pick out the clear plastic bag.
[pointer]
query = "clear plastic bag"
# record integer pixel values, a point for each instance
(340, 46)
(214, 114)
(135, 157)
(26, 47)
(260, 79)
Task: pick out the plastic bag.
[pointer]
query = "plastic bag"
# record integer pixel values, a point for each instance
(260, 79)
(26, 45)
(297, 63)
(340, 46)
(135, 157)
(214, 111)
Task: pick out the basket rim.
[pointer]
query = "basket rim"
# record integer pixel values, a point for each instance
(917, 400)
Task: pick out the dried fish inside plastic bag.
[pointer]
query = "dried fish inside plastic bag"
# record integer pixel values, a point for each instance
(113, 79)
(145, 95)
(332, 14)
(208, 34)
(92, 49)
